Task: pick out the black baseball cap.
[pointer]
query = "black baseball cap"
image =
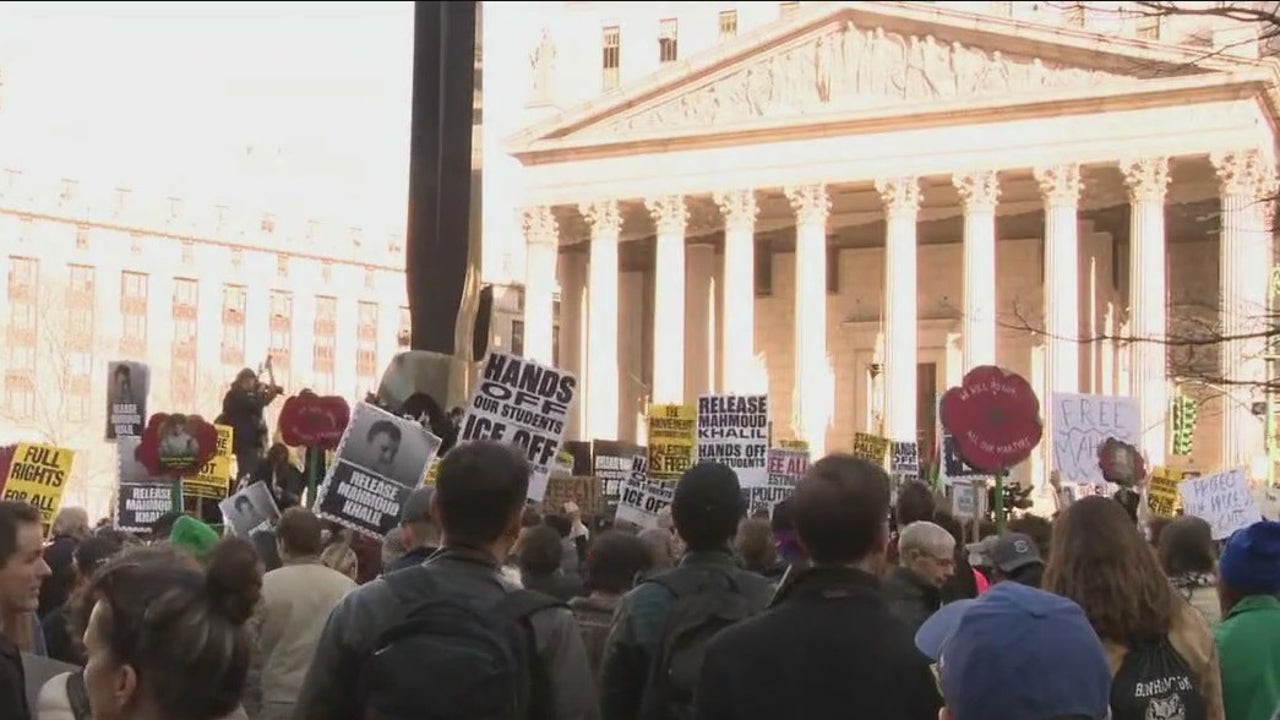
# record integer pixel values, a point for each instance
(708, 487)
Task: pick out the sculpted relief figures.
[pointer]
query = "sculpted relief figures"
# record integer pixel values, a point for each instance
(848, 67)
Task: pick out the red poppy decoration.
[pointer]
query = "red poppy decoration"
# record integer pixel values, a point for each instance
(6, 459)
(310, 420)
(175, 445)
(1121, 463)
(993, 417)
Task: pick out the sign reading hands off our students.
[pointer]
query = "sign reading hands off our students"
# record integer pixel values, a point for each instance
(525, 404)
(38, 476)
(1081, 424)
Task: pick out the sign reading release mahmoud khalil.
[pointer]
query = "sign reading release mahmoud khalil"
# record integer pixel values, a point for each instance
(733, 430)
(380, 460)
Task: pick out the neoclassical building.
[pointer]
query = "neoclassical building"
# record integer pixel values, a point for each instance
(849, 204)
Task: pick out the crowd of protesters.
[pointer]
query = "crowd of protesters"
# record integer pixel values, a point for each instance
(481, 606)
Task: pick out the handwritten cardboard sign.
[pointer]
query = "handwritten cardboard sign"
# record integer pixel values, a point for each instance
(1081, 424)
(1224, 500)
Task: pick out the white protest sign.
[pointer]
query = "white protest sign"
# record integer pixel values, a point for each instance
(904, 461)
(1222, 500)
(786, 467)
(733, 430)
(641, 501)
(522, 403)
(968, 499)
(1081, 423)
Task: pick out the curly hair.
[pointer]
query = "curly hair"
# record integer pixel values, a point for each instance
(1098, 559)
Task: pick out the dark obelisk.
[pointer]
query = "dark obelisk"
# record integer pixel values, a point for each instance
(439, 264)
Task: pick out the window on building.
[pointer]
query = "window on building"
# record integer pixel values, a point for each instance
(233, 312)
(728, 24)
(668, 48)
(370, 279)
(786, 8)
(1148, 27)
(182, 383)
(282, 265)
(611, 63)
(133, 309)
(367, 344)
(188, 252)
(20, 385)
(81, 282)
(405, 335)
(79, 344)
(24, 276)
(20, 394)
(326, 271)
(281, 348)
(77, 400)
(325, 333)
(82, 237)
(186, 315)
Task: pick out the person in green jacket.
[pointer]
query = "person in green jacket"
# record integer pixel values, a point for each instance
(1249, 635)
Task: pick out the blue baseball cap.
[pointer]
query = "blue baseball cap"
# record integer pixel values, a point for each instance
(1017, 653)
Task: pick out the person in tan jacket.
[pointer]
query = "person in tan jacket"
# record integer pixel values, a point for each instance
(1099, 560)
(296, 601)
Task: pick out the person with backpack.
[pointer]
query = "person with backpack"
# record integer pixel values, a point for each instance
(660, 632)
(451, 638)
(830, 645)
(1248, 636)
(614, 560)
(1162, 657)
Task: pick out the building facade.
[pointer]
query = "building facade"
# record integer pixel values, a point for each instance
(847, 205)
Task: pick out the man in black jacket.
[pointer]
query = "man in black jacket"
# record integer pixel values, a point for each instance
(828, 647)
(22, 570)
(242, 408)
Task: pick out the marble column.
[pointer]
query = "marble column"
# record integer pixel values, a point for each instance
(1147, 180)
(605, 219)
(979, 192)
(700, 341)
(1060, 185)
(811, 403)
(1246, 186)
(739, 344)
(542, 238)
(670, 214)
(901, 198)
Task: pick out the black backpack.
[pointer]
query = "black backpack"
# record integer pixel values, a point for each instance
(707, 600)
(1154, 682)
(457, 655)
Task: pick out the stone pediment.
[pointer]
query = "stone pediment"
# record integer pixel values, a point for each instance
(839, 62)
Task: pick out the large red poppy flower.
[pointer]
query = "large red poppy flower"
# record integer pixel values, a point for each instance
(310, 420)
(993, 417)
(175, 445)
(1121, 463)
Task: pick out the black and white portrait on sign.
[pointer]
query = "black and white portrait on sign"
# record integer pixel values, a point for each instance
(250, 509)
(380, 460)
(127, 385)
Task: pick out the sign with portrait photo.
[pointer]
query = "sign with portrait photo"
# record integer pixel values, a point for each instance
(525, 404)
(250, 509)
(127, 384)
(140, 498)
(379, 461)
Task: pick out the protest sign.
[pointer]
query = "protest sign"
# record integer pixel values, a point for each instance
(177, 445)
(525, 404)
(1162, 491)
(38, 476)
(994, 417)
(640, 464)
(213, 480)
(786, 467)
(968, 499)
(1081, 424)
(127, 384)
(1223, 500)
(953, 466)
(611, 461)
(139, 504)
(904, 461)
(380, 460)
(870, 448)
(733, 430)
(672, 430)
(562, 465)
(251, 509)
(641, 501)
(794, 445)
(582, 490)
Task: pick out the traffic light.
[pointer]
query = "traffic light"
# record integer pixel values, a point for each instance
(1183, 427)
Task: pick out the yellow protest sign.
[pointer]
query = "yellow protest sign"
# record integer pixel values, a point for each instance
(433, 471)
(214, 478)
(870, 448)
(801, 445)
(1162, 491)
(672, 429)
(38, 476)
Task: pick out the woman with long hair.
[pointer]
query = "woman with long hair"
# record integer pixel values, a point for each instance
(1099, 560)
(165, 638)
(1188, 556)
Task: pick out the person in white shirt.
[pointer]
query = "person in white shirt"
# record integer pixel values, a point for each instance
(296, 601)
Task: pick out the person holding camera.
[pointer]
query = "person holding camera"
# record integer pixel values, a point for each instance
(242, 408)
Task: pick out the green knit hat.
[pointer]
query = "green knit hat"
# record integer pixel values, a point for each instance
(193, 536)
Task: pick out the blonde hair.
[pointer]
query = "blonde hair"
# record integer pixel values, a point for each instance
(339, 556)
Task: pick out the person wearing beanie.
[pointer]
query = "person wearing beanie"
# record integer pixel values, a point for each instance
(1249, 635)
(192, 536)
(705, 509)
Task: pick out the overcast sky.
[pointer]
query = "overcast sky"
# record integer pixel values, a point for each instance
(167, 97)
